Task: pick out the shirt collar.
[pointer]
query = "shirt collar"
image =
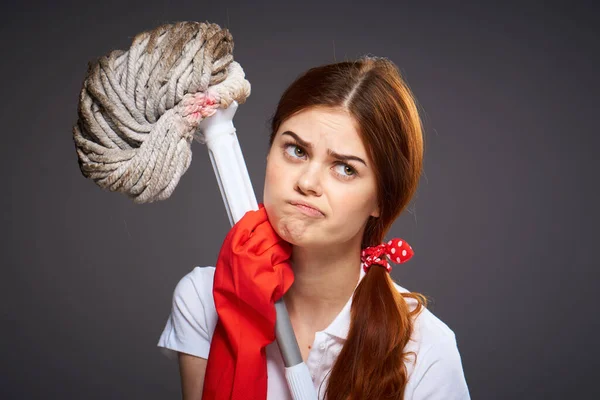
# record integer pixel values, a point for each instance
(341, 324)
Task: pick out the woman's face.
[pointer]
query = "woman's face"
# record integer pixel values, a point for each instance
(344, 190)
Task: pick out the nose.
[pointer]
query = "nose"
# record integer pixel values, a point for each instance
(309, 181)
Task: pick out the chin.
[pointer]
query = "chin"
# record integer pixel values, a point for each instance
(283, 225)
(275, 219)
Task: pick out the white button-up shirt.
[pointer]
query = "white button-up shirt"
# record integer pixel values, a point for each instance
(437, 373)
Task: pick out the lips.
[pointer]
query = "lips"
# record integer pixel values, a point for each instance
(303, 203)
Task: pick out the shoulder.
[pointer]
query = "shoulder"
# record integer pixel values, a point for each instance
(193, 317)
(197, 279)
(437, 368)
(428, 328)
(193, 303)
(195, 289)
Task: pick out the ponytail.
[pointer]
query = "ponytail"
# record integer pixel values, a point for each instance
(371, 363)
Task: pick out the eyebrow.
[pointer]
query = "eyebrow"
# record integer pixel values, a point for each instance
(342, 157)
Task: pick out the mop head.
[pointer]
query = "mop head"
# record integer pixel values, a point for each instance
(139, 109)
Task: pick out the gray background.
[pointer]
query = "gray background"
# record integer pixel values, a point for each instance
(503, 224)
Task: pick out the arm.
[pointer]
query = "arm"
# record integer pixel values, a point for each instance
(191, 369)
(189, 329)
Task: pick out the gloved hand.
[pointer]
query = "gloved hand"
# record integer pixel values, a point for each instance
(251, 274)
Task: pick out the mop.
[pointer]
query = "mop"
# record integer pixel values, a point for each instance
(141, 109)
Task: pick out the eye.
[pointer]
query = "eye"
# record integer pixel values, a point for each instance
(347, 172)
(294, 151)
(297, 151)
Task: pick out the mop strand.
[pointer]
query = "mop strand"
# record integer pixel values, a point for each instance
(139, 109)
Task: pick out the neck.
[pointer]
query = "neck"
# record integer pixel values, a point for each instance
(324, 280)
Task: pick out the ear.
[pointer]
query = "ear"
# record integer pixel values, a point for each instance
(375, 213)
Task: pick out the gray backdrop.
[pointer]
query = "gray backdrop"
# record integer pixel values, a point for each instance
(503, 224)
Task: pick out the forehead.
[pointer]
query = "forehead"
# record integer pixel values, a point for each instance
(333, 125)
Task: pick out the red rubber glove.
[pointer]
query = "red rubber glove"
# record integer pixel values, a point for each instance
(251, 274)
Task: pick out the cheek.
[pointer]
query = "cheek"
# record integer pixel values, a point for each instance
(351, 210)
(273, 180)
(289, 225)
(272, 191)
(352, 200)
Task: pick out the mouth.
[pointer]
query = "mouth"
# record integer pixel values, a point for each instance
(307, 209)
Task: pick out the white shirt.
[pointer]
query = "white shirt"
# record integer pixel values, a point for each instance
(437, 374)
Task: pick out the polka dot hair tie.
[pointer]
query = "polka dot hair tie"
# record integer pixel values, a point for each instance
(396, 249)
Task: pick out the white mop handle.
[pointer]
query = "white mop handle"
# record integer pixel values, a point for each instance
(239, 198)
(228, 163)
(300, 383)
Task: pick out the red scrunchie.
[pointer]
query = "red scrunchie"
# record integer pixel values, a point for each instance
(396, 249)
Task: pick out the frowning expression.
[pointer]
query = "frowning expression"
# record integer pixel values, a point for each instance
(318, 158)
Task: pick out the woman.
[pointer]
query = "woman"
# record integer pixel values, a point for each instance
(345, 157)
